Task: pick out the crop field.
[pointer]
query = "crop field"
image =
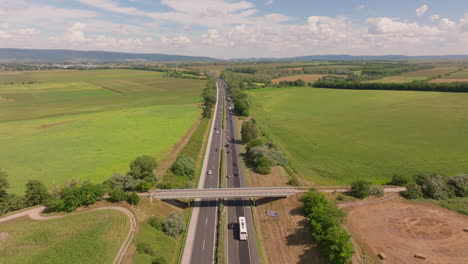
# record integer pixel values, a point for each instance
(337, 136)
(459, 75)
(418, 75)
(91, 237)
(88, 124)
(304, 77)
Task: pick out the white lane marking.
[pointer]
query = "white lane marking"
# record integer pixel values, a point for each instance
(203, 248)
(206, 221)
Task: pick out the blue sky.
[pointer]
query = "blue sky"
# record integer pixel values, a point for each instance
(233, 28)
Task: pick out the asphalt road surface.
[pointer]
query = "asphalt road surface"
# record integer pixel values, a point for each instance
(205, 235)
(238, 252)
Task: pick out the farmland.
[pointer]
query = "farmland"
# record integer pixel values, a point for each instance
(334, 137)
(94, 237)
(419, 75)
(304, 77)
(89, 124)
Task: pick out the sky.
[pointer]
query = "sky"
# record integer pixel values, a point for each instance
(239, 28)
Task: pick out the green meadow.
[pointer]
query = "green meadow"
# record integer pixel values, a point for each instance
(88, 124)
(338, 136)
(91, 237)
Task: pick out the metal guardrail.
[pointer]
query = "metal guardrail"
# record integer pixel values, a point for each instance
(225, 193)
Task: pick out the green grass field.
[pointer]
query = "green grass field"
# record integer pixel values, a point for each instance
(459, 75)
(91, 237)
(418, 75)
(337, 136)
(88, 124)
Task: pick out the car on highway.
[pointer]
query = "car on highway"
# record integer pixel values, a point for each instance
(227, 176)
(217, 132)
(234, 164)
(231, 225)
(236, 174)
(209, 172)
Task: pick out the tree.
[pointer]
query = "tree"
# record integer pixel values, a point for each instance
(360, 189)
(133, 198)
(145, 185)
(117, 195)
(413, 191)
(399, 180)
(249, 131)
(159, 260)
(184, 166)
(336, 245)
(4, 185)
(143, 167)
(36, 193)
(174, 224)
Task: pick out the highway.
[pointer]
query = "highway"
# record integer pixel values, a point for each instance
(205, 211)
(237, 251)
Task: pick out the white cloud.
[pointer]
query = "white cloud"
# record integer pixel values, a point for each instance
(75, 33)
(360, 7)
(176, 41)
(269, 2)
(421, 10)
(434, 17)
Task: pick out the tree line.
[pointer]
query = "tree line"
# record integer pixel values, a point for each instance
(239, 98)
(326, 227)
(457, 87)
(73, 194)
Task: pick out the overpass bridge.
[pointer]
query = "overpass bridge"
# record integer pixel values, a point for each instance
(215, 193)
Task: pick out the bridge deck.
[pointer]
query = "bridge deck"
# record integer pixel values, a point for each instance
(225, 193)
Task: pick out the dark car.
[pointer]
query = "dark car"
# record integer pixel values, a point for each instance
(231, 225)
(235, 164)
(236, 174)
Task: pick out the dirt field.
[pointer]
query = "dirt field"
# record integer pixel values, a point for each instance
(285, 239)
(401, 229)
(304, 77)
(448, 80)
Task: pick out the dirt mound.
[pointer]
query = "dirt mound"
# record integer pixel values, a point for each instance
(401, 229)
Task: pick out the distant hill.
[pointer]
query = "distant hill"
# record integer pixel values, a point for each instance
(52, 55)
(351, 57)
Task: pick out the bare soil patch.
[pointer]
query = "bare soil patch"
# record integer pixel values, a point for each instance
(3, 237)
(448, 80)
(401, 229)
(305, 77)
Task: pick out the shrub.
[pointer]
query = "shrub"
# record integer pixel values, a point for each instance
(155, 222)
(73, 197)
(144, 248)
(184, 166)
(145, 185)
(117, 195)
(159, 260)
(360, 189)
(434, 186)
(460, 185)
(377, 191)
(399, 180)
(413, 191)
(249, 131)
(133, 198)
(174, 224)
(294, 181)
(263, 166)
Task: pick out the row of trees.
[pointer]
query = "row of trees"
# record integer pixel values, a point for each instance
(325, 221)
(262, 154)
(239, 98)
(411, 86)
(73, 194)
(433, 186)
(209, 97)
(298, 83)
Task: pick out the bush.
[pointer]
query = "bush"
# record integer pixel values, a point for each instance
(460, 185)
(174, 224)
(117, 195)
(73, 197)
(144, 248)
(399, 180)
(360, 189)
(262, 166)
(294, 181)
(249, 131)
(376, 191)
(434, 186)
(155, 222)
(159, 260)
(413, 191)
(133, 198)
(184, 166)
(145, 185)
